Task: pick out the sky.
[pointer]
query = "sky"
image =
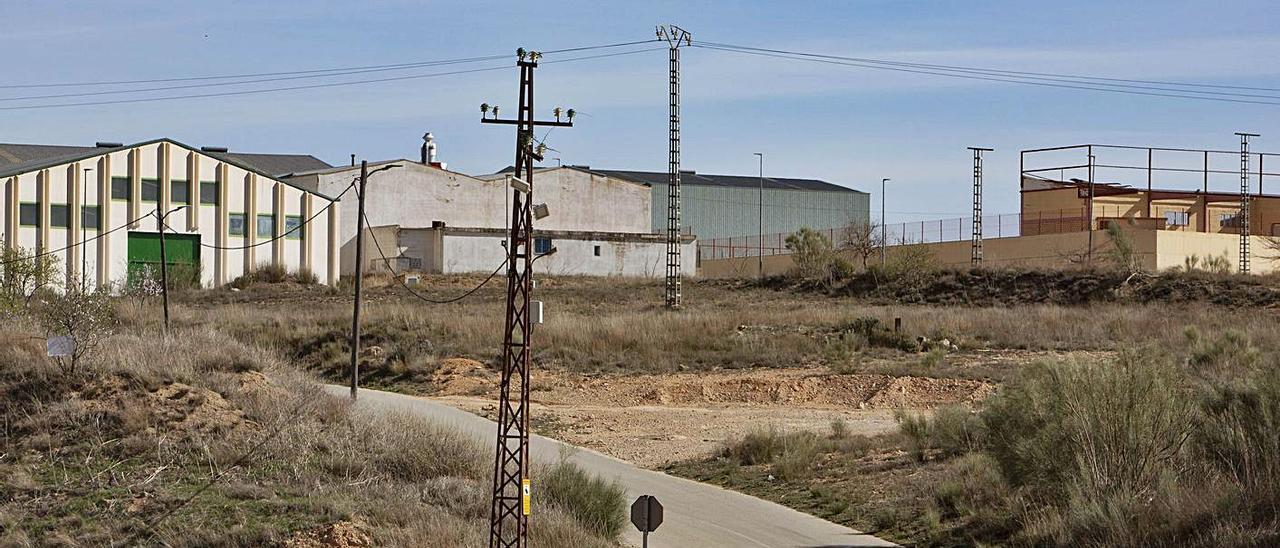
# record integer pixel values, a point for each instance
(849, 126)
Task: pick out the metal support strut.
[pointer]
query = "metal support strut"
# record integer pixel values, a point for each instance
(510, 505)
(976, 251)
(1245, 224)
(675, 37)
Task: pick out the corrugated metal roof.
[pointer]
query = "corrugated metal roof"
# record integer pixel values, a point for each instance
(703, 179)
(18, 157)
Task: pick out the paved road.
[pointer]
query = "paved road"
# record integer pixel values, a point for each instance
(697, 514)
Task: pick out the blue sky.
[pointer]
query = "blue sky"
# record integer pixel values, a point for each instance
(845, 125)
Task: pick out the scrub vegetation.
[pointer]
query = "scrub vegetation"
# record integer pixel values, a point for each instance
(198, 439)
(1154, 447)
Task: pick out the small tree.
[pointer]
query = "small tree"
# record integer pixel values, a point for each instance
(1123, 253)
(86, 317)
(812, 253)
(22, 273)
(862, 239)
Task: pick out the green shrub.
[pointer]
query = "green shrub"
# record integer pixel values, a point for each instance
(811, 252)
(799, 456)
(1091, 429)
(879, 335)
(1240, 431)
(915, 428)
(907, 268)
(955, 430)
(22, 273)
(839, 428)
(1230, 353)
(598, 504)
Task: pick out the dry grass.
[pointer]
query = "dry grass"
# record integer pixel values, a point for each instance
(617, 326)
(97, 458)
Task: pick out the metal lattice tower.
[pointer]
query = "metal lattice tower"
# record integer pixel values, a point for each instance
(509, 511)
(675, 37)
(1244, 220)
(976, 253)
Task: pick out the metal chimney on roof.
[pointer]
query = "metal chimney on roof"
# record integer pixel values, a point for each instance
(428, 148)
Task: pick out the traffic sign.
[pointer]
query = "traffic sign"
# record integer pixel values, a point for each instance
(646, 515)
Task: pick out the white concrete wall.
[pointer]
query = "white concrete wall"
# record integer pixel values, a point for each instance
(481, 253)
(415, 196)
(165, 161)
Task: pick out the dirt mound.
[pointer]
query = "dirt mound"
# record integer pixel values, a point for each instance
(172, 407)
(462, 376)
(808, 388)
(342, 534)
(1002, 287)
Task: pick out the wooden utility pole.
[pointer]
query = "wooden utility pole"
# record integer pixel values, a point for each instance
(355, 313)
(511, 503)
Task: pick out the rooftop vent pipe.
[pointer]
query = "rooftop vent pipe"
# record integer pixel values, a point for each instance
(108, 144)
(214, 149)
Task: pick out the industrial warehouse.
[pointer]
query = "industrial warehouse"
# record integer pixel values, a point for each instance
(223, 215)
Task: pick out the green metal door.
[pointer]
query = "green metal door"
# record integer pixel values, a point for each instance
(181, 250)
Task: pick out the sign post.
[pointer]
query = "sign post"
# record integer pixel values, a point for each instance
(646, 515)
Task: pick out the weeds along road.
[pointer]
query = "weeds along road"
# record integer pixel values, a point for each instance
(696, 514)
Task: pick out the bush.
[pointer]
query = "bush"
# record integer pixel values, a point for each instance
(811, 251)
(1238, 434)
(85, 317)
(1230, 353)
(598, 504)
(1056, 428)
(955, 430)
(274, 274)
(916, 429)
(908, 268)
(22, 273)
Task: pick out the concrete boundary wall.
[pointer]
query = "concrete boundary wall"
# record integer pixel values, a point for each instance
(1156, 250)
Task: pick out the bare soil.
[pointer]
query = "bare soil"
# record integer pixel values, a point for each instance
(654, 420)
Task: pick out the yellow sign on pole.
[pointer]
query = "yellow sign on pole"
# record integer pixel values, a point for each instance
(524, 496)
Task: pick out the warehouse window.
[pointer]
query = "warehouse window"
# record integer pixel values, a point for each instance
(179, 192)
(59, 215)
(121, 189)
(596, 250)
(29, 214)
(209, 193)
(150, 190)
(89, 218)
(266, 226)
(1177, 218)
(1229, 220)
(235, 224)
(293, 227)
(542, 245)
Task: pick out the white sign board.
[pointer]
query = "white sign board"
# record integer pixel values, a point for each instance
(60, 347)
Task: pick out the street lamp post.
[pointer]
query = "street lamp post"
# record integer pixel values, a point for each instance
(760, 222)
(884, 226)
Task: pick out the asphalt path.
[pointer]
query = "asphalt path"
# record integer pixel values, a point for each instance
(696, 514)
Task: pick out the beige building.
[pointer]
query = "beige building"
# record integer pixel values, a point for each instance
(1064, 217)
(94, 210)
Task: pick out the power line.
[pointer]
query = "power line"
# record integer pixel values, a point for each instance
(300, 75)
(373, 236)
(278, 236)
(1004, 79)
(79, 243)
(313, 71)
(1094, 79)
(308, 86)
